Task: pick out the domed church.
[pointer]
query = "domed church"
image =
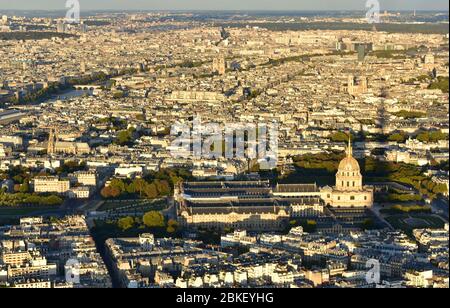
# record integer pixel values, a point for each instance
(349, 191)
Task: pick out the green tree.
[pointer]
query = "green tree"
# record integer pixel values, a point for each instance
(118, 94)
(173, 223)
(432, 136)
(341, 137)
(368, 224)
(153, 219)
(398, 137)
(119, 184)
(71, 166)
(139, 186)
(308, 225)
(163, 187)
(441, 83)
(124, 137)
(18, 179)
(110, 192)
(131, 188)
(172, 226)
(409, 114)
(25, 187)
(125, 223)
(106, 192)
(151, 192)
(53, 200)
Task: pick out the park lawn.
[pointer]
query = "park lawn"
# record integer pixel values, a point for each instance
(409, 222)
(157, 206)
(138, 210)
(22, 210)
(138, 204)
(116, 204)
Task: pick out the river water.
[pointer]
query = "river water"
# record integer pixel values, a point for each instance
(69, 94)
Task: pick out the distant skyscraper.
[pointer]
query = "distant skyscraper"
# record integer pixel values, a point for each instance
(83, 27)
(340, 45)
(61, 27)
(361, 53)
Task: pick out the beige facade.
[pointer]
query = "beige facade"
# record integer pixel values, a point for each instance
(306, 210)
(32, 272)
(83, 192)
(239, 218)
(88, 178)
(55, 146)
(51, 184)
(356, 86)
(75, 148)
(196, 96)
(32, 285)
(16, 258)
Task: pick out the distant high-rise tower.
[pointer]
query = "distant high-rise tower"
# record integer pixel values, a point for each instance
(219, 65)
(361, 53)
(83, 27)
(61, 27)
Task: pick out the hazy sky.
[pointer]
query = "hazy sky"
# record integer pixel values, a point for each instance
(225, 4)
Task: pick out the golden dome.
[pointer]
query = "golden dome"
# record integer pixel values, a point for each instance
(349, 164)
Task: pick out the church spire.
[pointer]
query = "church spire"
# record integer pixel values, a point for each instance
(349, 149)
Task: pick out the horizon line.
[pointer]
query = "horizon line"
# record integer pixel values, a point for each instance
(222, 10)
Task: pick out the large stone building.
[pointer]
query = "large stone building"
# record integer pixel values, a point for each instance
(250, 205)
(51, 184)
(256, 205)
(349, 191)
(241, 216)
(55, 146)
(88, 178)
(219, 65)
(356, 85)
(195, 96)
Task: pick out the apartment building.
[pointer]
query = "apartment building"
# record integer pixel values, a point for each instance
(51, 184)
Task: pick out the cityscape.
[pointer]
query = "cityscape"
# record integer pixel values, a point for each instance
(224, 146)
